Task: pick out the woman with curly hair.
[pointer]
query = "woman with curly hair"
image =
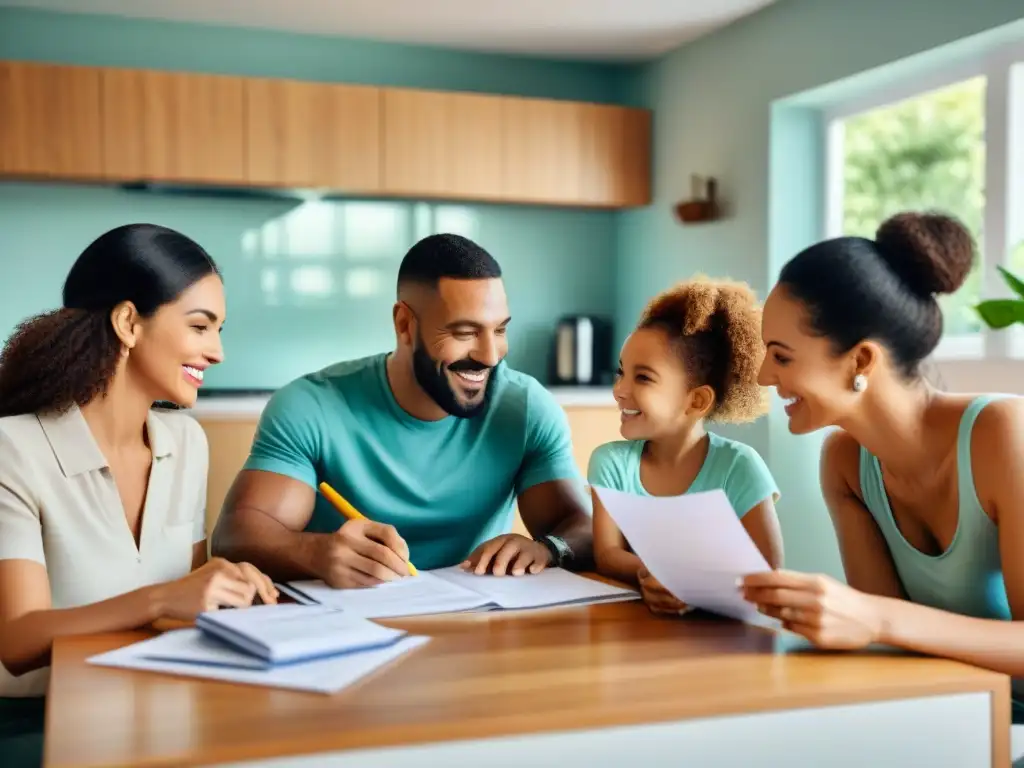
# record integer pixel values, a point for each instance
(693, 359)
(102, 497)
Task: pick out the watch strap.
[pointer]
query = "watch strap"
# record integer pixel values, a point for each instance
(559, 549)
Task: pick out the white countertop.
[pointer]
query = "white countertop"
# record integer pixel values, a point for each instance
(243, 407)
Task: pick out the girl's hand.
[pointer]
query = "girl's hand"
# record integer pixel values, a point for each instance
(659, 599)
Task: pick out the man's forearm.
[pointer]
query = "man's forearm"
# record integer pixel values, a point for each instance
(251, 536)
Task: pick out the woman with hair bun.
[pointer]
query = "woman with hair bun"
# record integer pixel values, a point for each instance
(924, 487)
(102, 497)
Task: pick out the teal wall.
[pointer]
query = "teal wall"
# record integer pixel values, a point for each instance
(116, 42)
(307, 284)
(714, 105)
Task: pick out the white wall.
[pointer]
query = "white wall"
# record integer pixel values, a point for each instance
(979, 376)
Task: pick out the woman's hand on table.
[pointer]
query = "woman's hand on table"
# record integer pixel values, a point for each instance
(215, 585)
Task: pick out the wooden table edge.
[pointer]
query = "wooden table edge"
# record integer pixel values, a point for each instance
(996, 685)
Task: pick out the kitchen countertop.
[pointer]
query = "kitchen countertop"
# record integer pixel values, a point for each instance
(249, 405)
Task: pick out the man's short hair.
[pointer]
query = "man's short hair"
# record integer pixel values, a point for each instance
(445, 255)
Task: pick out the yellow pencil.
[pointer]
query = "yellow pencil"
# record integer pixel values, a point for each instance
(342, 505)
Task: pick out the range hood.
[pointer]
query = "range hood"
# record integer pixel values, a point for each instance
(223, 192)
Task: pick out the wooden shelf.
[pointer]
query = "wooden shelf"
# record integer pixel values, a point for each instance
(111, 124)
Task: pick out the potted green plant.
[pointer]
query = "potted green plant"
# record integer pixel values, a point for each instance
(1002, 313)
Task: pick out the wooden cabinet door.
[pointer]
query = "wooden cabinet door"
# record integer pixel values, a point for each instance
(616, 159)
(50, 121)
(416, 146)
(313, 135)
(174, 126)
(440, 144)
(543, 142)
(477, 146)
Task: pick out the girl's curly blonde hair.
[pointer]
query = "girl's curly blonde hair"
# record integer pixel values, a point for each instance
(716, 327)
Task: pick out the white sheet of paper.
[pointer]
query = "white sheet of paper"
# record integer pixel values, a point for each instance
(322, 676)
(552, 586)
(694, 544)
(412, 596)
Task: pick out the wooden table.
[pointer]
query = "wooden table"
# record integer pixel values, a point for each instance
(602, 685)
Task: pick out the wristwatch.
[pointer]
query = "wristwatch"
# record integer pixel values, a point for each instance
(561, 553)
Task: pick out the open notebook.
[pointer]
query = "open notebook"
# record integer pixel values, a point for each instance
(452, 590)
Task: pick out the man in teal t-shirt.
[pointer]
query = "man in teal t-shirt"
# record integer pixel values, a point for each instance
(433, 443)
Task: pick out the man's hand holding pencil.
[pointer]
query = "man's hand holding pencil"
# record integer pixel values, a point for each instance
(361, 553)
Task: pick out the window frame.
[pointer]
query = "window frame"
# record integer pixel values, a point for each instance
(1003, 69)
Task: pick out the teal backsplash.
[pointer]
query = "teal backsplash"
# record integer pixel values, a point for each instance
(311, 283)
(307, 283)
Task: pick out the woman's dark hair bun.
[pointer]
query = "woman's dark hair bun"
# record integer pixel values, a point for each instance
(929, 252)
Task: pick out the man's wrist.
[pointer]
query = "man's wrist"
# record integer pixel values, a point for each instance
(560, 554)
(315, 549)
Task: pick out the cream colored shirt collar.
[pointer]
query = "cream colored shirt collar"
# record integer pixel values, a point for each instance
(75, 447)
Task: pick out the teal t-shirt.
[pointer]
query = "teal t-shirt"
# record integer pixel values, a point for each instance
(445, 485)
(734, 467)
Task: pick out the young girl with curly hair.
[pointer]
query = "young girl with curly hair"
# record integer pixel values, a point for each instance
(692, 359)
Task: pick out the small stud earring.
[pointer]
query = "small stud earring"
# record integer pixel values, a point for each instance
(860, 382)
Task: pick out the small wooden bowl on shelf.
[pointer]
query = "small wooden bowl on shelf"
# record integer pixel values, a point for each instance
(704, 204)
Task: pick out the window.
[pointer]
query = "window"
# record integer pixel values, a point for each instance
(946, 142)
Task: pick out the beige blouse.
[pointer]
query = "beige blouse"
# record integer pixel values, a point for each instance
(59, 506)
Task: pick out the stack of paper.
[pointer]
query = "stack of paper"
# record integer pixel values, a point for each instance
(450, 590)
(694, 544)
(287, 646)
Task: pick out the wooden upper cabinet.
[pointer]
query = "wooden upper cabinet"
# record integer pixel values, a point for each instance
(313, 135)
(543, 150)
(616, 161)
(174, 127)
(92, 123)
(50, 121)
(440, 144)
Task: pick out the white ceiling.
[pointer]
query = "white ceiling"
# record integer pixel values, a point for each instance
(611, 30)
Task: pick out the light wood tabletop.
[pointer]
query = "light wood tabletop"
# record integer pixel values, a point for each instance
(485, 675)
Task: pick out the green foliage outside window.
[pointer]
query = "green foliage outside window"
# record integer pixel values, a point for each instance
(924, 153)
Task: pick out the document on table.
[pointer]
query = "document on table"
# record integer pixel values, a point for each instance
(411, 596)
(190, 653)
(447, 590)
(550, 587)
(284, 634)
(694, 544)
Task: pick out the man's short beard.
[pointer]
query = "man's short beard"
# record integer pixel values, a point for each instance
(433, 379)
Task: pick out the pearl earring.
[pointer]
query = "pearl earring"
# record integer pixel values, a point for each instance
(860, 382)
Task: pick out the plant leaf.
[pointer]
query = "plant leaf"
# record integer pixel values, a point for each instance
(1015, 283)
(1000, 313)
